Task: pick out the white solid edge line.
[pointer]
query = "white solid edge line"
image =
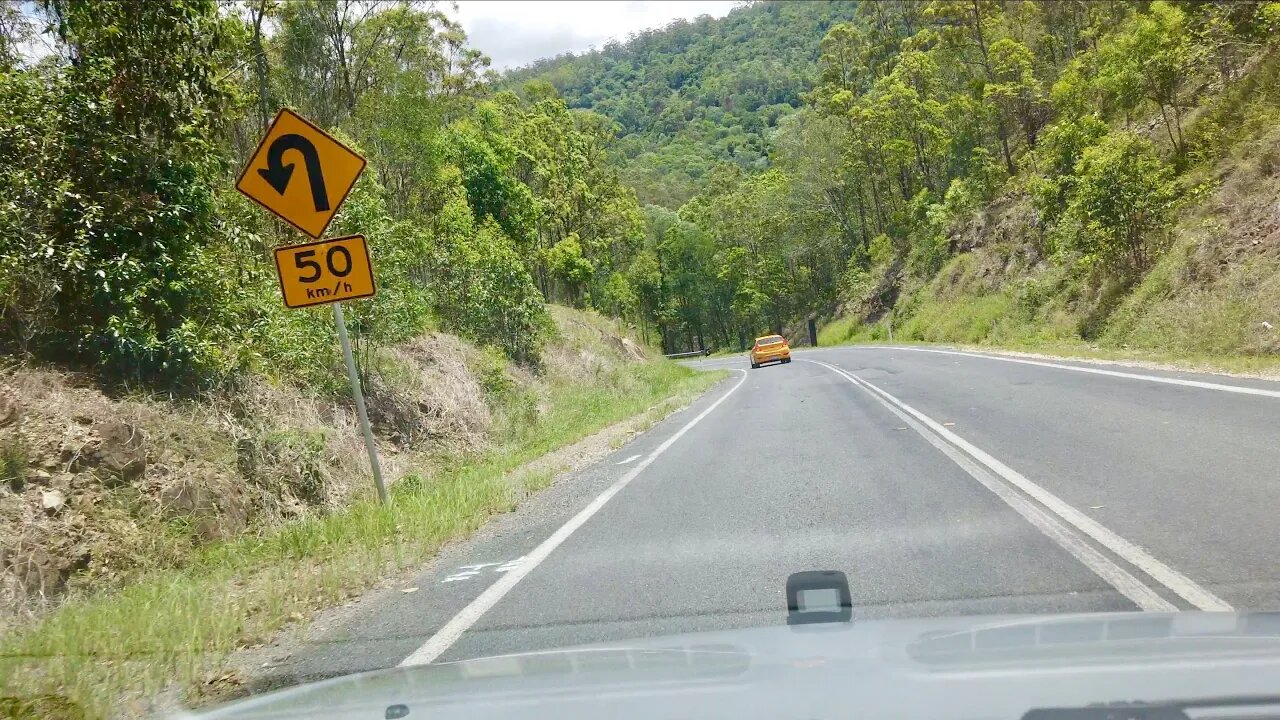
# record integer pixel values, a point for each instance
(1096, 371)
(1175, 581)
(446, 636)
(1114, 575)
(627, 461)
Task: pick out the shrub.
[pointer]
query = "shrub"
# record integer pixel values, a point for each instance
(856, 283)
(1122, 202)
(1060, 150)
(107, 174)
(880, 251)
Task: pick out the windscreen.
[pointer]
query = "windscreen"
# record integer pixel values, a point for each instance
(341, 334)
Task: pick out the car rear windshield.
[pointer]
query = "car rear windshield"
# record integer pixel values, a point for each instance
(772, 340)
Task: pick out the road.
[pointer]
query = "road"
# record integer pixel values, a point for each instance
(941, 482)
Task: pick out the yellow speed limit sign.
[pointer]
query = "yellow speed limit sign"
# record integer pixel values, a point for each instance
(324, 272)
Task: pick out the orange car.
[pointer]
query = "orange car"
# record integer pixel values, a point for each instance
(770, 348)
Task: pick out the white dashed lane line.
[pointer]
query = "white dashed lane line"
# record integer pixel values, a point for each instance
(446, 636)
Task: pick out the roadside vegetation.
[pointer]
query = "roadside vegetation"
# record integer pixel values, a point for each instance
(1044, 174)
(163, 623)
(180, 474)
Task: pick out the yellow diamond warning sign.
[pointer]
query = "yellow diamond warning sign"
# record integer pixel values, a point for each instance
(324, 272)
(300, 173)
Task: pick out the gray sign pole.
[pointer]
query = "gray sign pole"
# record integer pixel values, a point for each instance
(341, 322)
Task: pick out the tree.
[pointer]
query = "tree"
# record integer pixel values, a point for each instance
(1015, 89)
(1124, 198)
(968, 26)
(569, 268)
(482, 286)
(335, 52)
(564, 159)
(644, 275)
(1064, 143)
(1151, 58)
(694, 94)
(15, 31)
(618, 298)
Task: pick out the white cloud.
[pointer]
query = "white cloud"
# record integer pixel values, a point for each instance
(516, 33)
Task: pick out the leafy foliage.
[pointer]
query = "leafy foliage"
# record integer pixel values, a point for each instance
(916, 116)
(791, 158)
(125, 251)
(1123, 199)
(696, 93)
(483, 288)
(109, 216)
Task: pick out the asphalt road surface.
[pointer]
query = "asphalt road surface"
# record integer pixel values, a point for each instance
(940, 482)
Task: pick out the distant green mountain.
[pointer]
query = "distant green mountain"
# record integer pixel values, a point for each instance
(696, 93)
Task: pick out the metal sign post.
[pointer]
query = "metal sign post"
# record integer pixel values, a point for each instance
(341, 322)
(327, 271)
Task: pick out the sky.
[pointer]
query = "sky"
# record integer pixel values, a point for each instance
(517, 32)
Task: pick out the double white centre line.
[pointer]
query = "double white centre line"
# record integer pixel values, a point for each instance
(1049, 513)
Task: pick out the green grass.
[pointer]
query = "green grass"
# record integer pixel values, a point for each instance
(108, 654)
(839, 330)
(1069, 348)
(1214, 327)
(1221, 319)
(13, 461)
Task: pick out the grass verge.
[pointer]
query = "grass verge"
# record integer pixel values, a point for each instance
(1165, 319)
(1268, 368)
(110, 654)
(993, 322)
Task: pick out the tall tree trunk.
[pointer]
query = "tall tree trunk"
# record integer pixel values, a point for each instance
(1168, 127)
(875, 194)
(1003, 133)
(980, 38)
(923, 164)
(344, 68)
(1177, 122)
(862, 218)
(260, 60)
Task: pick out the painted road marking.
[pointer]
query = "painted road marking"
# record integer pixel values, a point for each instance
(446, 636)
(1125, 583)
(624, 462)
(466, 572)
(1096, 371)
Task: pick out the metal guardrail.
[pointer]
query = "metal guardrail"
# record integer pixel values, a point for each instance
(689, 354)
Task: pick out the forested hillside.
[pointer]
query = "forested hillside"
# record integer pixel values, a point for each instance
(732, 176)
(693, 94)
(1068, 144)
